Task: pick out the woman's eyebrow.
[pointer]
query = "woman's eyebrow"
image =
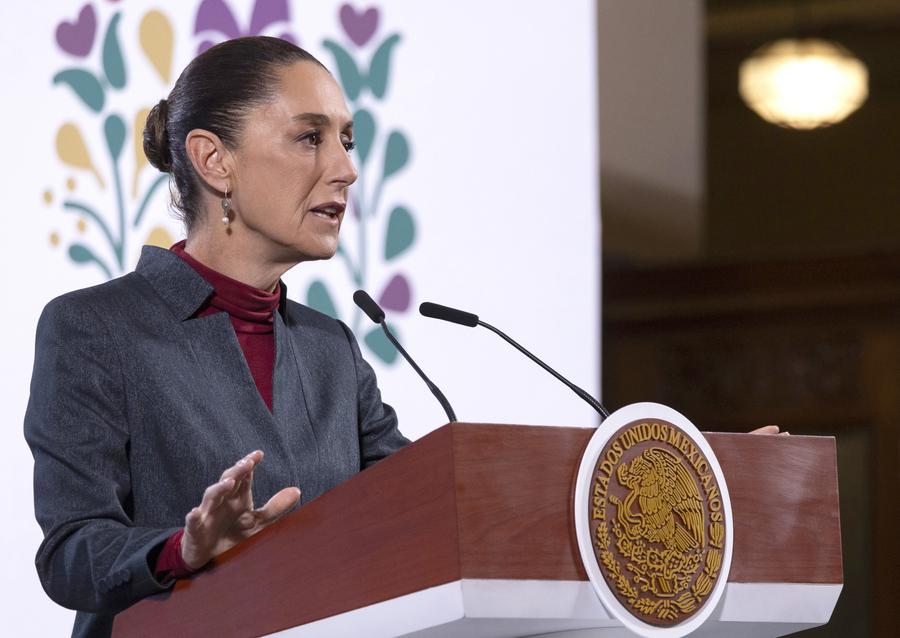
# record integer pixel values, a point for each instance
(319, 119)
(316, 119)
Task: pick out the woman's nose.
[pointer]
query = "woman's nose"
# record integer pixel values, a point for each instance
(341, 169)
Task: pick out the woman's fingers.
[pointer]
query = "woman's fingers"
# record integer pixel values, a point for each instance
(243, 466)
(235, 485)
(277, 506)
(211, 529)
(246, 484)
(192, 520)
(247, 521)
(225, 515)
(214, 494)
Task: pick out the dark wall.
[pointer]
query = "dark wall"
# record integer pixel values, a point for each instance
(792, 313)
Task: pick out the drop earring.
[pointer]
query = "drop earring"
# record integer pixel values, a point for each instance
(226, 209)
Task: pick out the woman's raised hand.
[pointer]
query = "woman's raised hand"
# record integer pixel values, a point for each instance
(226, 515)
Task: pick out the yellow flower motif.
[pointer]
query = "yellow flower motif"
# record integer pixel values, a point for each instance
(159, 236)
(72, 150)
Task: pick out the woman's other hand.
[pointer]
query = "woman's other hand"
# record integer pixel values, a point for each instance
(768, 429)
(226, 515)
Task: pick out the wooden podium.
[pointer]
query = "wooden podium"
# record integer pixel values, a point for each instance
(469, 532)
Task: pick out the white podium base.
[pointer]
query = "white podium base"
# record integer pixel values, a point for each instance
(513, 608)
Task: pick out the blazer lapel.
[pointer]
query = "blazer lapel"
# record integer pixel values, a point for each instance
(215, 348)
(294, 390)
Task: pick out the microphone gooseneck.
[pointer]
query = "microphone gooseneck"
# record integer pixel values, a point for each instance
(446, 313)
(374, 312)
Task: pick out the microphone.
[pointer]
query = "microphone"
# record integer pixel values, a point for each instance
(445, 313)
(374, 312)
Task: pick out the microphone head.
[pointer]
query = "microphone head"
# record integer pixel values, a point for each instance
(437, 311)
(368, 305)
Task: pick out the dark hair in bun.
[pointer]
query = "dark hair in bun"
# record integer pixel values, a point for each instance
(156, 142)
(214, 92)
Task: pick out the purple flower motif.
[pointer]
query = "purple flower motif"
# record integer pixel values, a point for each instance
(359, 26)
(77, 37)
(216, 15)
(396, 295)
(289, 37)
(267, 12)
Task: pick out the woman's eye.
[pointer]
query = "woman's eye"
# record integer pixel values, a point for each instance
(349, 145)
(313, 138)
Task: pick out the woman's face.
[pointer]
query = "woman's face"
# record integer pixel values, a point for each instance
(293, 169)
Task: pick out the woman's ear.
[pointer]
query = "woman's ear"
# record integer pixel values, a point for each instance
(210, 158)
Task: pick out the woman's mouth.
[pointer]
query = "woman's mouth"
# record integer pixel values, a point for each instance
(330, 211)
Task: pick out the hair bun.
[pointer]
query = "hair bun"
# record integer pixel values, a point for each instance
(156, 137)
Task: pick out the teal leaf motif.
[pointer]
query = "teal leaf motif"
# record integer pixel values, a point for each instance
(351, 78)
(146, 199)
(113, 62)
(396, 153)
(381, 64)
(114, 129)
(401, 232)
(379, 344)
(86, 86)
(363, 133)
(318, 298)
(81, 254)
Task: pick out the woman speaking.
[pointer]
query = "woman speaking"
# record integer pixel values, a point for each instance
(182, 408)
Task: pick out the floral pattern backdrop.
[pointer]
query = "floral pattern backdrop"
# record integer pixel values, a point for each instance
(114, 194)
(469, 194)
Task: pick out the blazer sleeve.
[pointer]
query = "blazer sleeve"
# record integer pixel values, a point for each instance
(92, 557)
(379, 435)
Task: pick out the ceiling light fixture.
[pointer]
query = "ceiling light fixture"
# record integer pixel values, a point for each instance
(803, 83)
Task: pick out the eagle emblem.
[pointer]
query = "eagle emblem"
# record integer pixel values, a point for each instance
(656, 521)
(669, 507)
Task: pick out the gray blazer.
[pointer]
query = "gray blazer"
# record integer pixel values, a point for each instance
(136, 407)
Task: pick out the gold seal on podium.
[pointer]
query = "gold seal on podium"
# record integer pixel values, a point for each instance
(653, 521)
(657, 522)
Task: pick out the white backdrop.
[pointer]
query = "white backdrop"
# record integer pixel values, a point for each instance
(497, 101)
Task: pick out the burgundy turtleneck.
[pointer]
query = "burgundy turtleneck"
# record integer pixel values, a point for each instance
(252, 316)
